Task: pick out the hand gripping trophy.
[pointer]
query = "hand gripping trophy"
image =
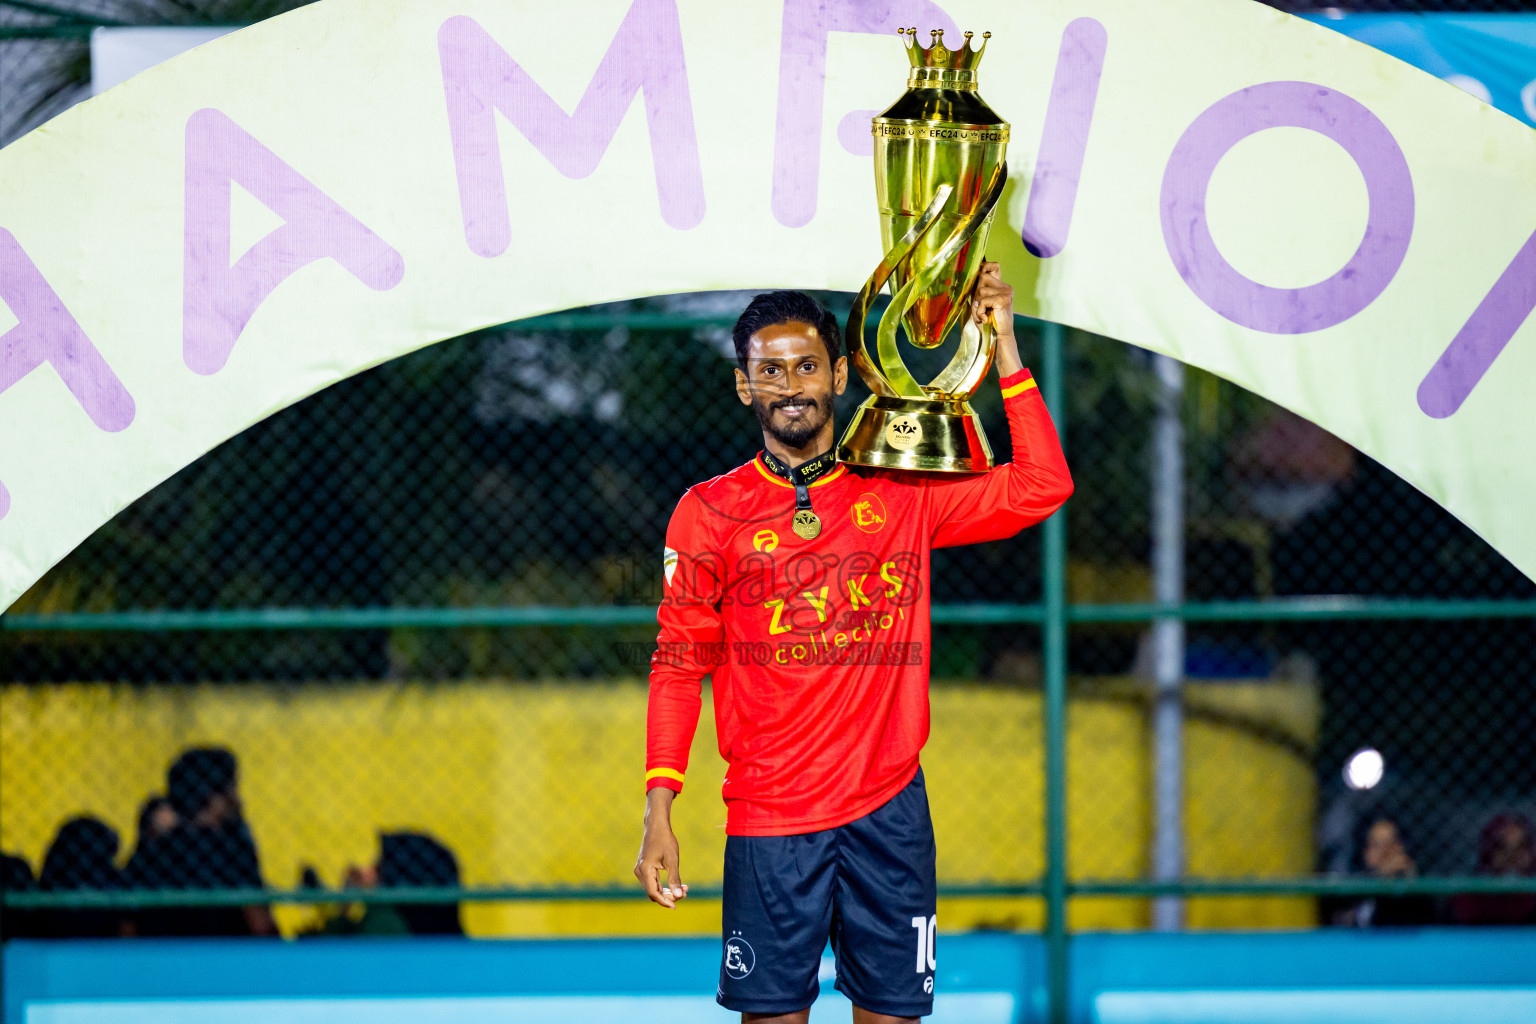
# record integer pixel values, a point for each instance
(939, 172)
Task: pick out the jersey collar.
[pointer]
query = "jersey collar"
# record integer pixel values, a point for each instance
(808, 472)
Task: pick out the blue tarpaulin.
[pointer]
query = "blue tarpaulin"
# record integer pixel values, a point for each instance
(1492, 56)
(1330, 976)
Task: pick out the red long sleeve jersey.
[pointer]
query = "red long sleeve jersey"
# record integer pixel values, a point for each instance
(819, 649)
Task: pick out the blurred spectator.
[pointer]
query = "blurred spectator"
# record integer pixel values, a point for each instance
(156, 818)
(1381, 851)
(411, 859)
(82, 858)
(1285, 467)
(16, 876)
(1506, 848)
(209, 847)
(415, 859)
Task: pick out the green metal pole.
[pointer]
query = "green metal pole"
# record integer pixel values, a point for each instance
(1054, 644)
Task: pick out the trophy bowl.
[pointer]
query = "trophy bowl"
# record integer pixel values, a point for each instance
(939, 171)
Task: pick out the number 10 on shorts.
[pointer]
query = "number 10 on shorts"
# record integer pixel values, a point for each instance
(927, 934)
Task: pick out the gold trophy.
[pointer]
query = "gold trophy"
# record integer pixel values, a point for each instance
(939, 172)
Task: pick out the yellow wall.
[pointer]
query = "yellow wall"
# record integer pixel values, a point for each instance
(539, 784)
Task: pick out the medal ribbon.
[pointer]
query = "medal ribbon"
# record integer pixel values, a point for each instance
(803, 475)
(810, 470)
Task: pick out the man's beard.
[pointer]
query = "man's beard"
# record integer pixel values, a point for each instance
(798, 433)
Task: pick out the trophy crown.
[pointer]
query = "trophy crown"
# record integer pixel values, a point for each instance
(937, 55)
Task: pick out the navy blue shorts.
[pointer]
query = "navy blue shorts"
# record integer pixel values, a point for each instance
(868, 886)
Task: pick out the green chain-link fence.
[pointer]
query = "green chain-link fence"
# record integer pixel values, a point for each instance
(413, 601)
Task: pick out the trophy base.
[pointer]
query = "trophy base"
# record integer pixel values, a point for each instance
(916, 433)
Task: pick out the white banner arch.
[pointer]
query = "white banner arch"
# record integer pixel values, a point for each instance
(1210, 179)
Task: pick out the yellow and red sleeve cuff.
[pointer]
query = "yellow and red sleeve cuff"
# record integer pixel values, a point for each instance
(1018, 383)
(666, 778)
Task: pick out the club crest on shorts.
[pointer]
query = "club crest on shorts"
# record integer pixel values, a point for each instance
(739, 958)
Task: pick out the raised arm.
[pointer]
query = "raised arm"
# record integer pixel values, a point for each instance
(991, 506)
(690, 638)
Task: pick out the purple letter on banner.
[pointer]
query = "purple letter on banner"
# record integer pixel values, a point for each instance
(218, 300)
(1495, 320)
(1287, 105)
(480, 78)
(803, 80)
(1064, 139)
(47, 333)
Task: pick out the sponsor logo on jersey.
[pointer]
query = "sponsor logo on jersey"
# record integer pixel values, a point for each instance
(868, 513)
(765, 540)
(739, 958)
(668, 564)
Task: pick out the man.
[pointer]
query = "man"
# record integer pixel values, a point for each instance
(81, 859)
(405, 859)
(210, 847)
(16, 876)
(818, 646)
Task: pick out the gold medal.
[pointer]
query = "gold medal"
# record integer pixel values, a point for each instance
(807, 523)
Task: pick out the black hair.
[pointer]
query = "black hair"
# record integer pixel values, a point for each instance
(197, 776)
(80, 857)
(773, 308)
(15, 874)
(417, 859)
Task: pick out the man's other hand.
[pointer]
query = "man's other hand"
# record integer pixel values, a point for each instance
(993, 299)
(658, 851)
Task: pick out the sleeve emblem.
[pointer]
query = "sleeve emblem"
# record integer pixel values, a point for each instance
(668, 564)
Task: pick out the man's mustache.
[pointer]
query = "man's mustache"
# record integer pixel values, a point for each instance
(781, 403)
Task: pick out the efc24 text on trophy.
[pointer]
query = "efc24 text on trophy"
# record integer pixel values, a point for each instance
(939, 171)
